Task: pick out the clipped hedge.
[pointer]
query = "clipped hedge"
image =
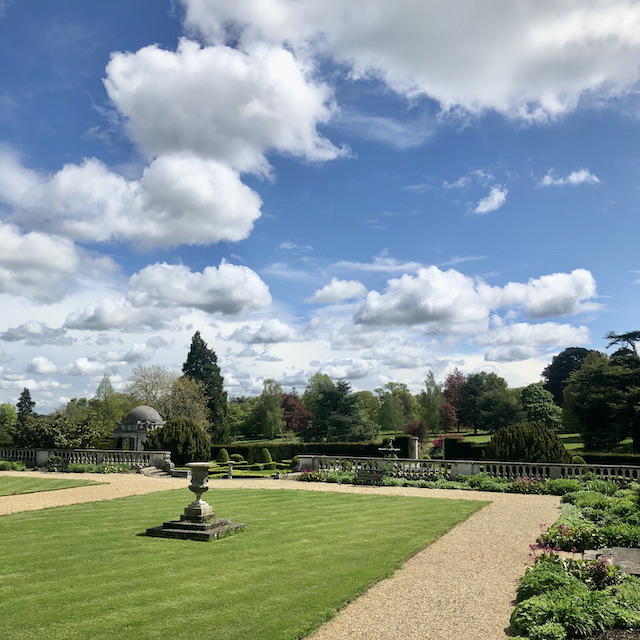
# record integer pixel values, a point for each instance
(288, 450)
(611, 458)
(454, 449)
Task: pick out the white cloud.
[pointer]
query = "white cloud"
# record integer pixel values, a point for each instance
(37, 334)
(338, 290)
(443, 299)
(111, 313)
(174, 101)
(496, 198)
(583, 176)
(533, 335)
(553, 295)
(41, 366)
(270, 332)
(36, 265)
(180, 199)
(510, 354)
(228, 289)
(531, 60)
(346, 369)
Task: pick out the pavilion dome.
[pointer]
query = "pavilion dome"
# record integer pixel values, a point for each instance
(143, 413)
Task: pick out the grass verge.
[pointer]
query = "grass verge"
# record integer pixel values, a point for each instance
(10, 486)
(83, 571)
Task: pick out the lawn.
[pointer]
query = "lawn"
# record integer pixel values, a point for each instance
(10, 486)
(82, 571)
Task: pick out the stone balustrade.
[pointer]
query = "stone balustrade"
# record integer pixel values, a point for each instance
(448, 469)
(39, 457)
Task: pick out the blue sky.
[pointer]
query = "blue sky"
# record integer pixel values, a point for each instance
(370, 190)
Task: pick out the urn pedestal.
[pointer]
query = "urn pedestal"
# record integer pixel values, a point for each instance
(198, 522)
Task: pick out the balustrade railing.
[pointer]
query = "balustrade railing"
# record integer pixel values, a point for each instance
(412, 469)
(40, 457)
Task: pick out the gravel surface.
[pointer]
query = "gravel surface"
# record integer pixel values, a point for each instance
(461, 587)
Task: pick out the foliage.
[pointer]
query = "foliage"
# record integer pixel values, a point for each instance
(602, 401)
(295, 416)
(187, 441)
(202, 365)
(486, 403)
(188, 401)
(8, 417)
(108, 406)
(417, 429)
(528, 442)
(269, 411)
(539, 406)
(54, 431)
(430, 401)
(336, 416)
(223, 456)
(24, 407)
(391, 413)
(152, 385)
(562, 366)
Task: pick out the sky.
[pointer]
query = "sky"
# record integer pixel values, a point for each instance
(370, 190)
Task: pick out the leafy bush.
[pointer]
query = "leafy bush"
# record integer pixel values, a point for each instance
(223, 456)
(186, 440)
(264, 456)
(17, 465)
(543, 576)
(236, 457)
(606, 487)
(527, 442)
(77, 467)
(562, 486)
(547, 631)
(578, 460)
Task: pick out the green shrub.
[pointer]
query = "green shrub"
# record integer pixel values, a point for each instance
(548, 631)
(605, 487)
(186, 440)
(5, 465)
(578, 460)
(542, 577)
(223, 456)
(78, 467)
(236, 457)
(264, 456)
(562, 486)
(526, 442)
(18, 465)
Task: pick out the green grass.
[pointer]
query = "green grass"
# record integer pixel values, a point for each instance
(10, 486)
(83, 571)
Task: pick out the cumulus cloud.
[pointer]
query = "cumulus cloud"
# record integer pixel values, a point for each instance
(545, 333)
(36, 265)
(174, 101)
(346, 368)
(180, 199)
(37, 333)
(270, 332)
(440, 300)
(111, 313)
(583, 176)
(228, 289)
(338, 290)
(496, 198)
(510, 354)
(41, 366)
(532, 61)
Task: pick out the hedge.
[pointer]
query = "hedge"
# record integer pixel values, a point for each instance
(455, 449)
(611, 458)
(288, 450)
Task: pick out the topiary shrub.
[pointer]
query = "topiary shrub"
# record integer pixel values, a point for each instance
(223, 456)
(236, 457)
(578, 460)
(264, 456)
(186, 440)
(527, 442)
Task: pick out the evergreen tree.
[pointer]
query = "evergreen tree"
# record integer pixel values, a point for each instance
(184, 438)
(202, 365)
(527, 442)
(539, 406)
(24, 406)
(557, 373)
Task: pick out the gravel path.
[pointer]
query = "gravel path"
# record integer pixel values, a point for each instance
(461, 587)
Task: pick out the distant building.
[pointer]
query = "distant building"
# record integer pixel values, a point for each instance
(135, 426)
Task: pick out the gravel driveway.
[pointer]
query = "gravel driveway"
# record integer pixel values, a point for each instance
(461, 587)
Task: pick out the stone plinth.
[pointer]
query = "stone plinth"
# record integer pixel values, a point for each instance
(627, 559)
(198, 522)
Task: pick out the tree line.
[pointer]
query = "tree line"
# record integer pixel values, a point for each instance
(583, 390)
